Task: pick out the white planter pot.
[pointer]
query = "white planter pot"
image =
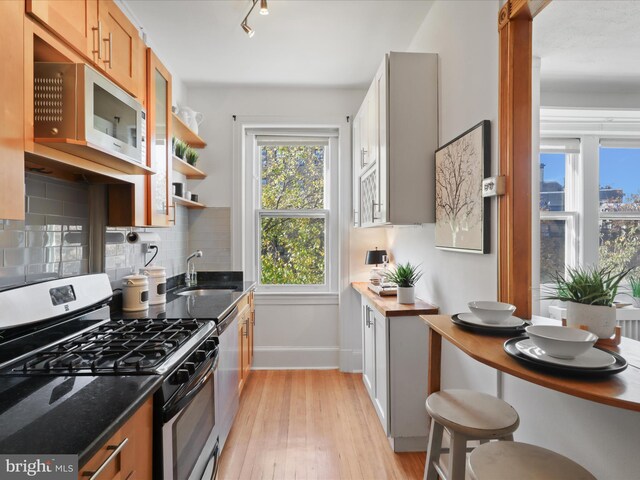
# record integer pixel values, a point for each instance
(636, 302)
(406, 295)
(598, 319)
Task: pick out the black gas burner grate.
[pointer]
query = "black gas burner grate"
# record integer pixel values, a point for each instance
(116, 347)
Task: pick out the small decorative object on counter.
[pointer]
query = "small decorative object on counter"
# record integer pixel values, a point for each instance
(589, 293)
(135, 293)
(157, 284)
(376, 257)
(405, 277)
(191, 156)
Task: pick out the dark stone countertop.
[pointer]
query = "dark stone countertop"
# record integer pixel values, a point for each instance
(228, 288)
(77, 414)
(67, 415)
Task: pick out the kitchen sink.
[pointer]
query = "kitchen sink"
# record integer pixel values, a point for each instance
(200, 292)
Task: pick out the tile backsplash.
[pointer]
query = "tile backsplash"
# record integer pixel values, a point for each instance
(53, 240)
(124, 258)
(210, 231)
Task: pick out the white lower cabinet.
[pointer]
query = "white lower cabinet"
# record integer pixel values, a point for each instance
(394, 372)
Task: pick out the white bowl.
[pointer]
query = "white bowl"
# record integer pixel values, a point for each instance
(561, 342)
(492, 312)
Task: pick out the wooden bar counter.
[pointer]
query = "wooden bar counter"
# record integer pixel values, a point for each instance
(621, 390)
(389, 306)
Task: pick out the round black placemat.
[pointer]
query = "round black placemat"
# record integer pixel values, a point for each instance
(511, 349)
(504, 331)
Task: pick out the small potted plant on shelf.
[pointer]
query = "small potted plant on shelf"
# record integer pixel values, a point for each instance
(191, 156)
(634, 286)
(589, 293)
(405, 277)
(180, 148)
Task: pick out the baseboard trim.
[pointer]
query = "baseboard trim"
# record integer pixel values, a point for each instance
(351, 361)
(296, 358)
(408, 444)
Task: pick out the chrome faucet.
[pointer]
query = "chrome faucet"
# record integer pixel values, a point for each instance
(190, 276)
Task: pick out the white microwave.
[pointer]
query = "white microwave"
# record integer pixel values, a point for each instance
(73, 103)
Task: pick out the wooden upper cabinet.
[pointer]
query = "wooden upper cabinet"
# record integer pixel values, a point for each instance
(75, 21)
(121, 46)
(159, 141)
(99, 31)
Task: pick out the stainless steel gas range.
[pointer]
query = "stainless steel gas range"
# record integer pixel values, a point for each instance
(63, 327)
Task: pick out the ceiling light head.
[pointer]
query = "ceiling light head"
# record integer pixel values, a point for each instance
(247, 29)
(264, 9)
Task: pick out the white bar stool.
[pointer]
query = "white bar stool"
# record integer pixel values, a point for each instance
(508, 460)
(467, 415)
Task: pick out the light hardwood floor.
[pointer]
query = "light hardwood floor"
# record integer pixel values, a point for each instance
(311, 424)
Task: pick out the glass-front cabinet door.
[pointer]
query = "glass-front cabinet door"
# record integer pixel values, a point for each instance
(159, 135)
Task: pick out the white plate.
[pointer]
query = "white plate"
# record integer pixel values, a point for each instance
(593, 358)
(508, 323)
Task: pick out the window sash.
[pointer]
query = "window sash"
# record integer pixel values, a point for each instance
(324, 214)
(571, 241)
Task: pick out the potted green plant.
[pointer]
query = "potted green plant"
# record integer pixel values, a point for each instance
(180, 148)
(405, 277)
(589, 293)
(191, 156)
(634, 286)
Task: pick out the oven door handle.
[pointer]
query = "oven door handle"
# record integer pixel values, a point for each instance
(174, 407)
(213, 458)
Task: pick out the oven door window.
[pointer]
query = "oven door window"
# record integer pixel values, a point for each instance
(191, 431)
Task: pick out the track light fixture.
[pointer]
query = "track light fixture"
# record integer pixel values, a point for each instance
(248, 30)
(264, 10)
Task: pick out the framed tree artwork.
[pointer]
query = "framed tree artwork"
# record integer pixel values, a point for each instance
(462, 214)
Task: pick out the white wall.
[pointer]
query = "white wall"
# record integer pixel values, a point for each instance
(220, 103)
(576, 97)
(290, 332)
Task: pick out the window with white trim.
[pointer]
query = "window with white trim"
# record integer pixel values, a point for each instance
(295, 229)
(619, 199)
(557, 204)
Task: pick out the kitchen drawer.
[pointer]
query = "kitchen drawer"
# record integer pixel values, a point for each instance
(127, 454)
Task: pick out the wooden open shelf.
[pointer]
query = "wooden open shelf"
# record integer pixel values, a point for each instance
(187, 203)
(184, 133)
(191, 172)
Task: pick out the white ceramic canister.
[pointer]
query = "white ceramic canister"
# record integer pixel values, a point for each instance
(157, 284)
(135, 293)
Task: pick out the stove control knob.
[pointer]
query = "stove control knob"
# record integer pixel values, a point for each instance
(200, 356)
(210, 345)
(191, 367)
(181, 376)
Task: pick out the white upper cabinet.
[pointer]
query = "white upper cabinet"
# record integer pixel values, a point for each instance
(395, 135)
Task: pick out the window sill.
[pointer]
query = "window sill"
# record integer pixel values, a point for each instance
(296, 298)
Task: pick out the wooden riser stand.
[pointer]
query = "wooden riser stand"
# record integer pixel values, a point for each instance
(612, 341)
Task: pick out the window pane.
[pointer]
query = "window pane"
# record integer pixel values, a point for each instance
(620, 243)
(292, 251)
(552, 245)
(552, 181)
(619, 180)
(292, 177)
